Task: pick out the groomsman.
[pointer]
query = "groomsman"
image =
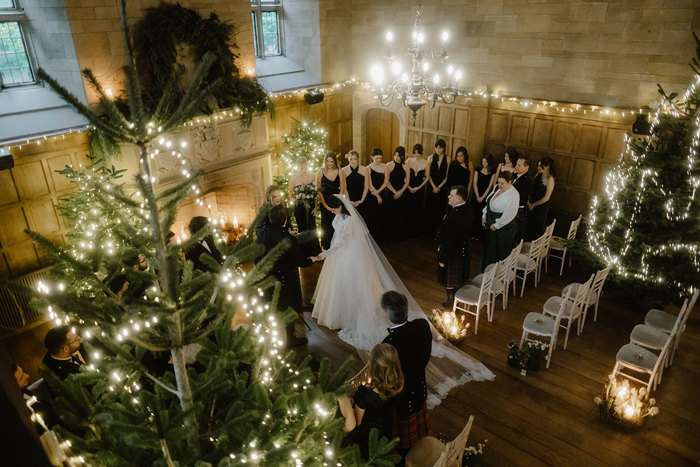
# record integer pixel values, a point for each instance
(205, 246)
(413, 342)
(286, 268)
(523, 184)
(453, 243)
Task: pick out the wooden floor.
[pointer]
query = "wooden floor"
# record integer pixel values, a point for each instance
(548, 417)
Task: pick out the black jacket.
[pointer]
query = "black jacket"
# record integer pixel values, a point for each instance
(286, 268)
(62, 368)
(523, 184)
(198, 249)
(454, 232)
(413, 342)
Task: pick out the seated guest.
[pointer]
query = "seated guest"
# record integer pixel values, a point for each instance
(42, 406)
(63, 356)
(372, 406)
(205, 245)
(413, 342)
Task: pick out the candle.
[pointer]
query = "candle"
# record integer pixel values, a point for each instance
(235, 222)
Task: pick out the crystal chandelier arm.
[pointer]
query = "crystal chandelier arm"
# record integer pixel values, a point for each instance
(390, 96)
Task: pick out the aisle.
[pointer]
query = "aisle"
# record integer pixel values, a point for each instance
(548, 417)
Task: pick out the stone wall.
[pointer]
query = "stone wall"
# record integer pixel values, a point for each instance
(599, 52)
(99, 41)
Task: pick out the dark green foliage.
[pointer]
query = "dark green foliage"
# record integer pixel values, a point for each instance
(648, 225)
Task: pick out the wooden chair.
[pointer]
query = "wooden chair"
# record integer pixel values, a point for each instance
(539, 325)
(558, 244)
(657, 320)
(469, 296)
(548, 233)
(594, 294)
(641, 362)
(431, 451)
(573, 307)
(529, 262)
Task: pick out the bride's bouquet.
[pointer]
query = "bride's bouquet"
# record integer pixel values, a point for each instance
(305, 193)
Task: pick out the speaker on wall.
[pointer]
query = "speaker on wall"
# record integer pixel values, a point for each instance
(6, 160)
(313, 97)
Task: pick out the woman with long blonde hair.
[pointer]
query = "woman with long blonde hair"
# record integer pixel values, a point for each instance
(373, 403)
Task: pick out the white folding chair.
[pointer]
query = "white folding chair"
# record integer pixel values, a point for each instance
(558, 244)
(510, 278)
(430, 451)
(594, 294)
(548, 233)
(642, 362)
(573, 307)
(654, 339)
(529, 262)
(498, 286)
(664, 321)
(469, 296)
(540, 325)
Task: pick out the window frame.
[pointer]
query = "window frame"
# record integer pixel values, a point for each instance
(258, 7)
(17, 14)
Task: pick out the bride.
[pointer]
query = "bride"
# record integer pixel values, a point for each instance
(347, 297)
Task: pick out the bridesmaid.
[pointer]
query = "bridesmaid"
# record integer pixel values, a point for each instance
(436, 204)
(376, 199)
(329, 181)
(460, 171)
(357, 182)
(538, 206)
(483, 182)
(510, 158)
(418, 167)
(398, 197)
(303, 210)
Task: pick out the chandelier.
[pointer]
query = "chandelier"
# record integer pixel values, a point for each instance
(416, 88)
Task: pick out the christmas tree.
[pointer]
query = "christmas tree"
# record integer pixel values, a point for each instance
(307, 140)
(168, 381)
(647, 225)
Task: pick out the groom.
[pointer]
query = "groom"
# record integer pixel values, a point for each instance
(413, 342)
(453, 243)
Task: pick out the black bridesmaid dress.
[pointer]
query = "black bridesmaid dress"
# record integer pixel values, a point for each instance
(457, 175)
(397, 209)
(537, 218)
(436, 204)
(355, 183)
(303, 213)
(416, 202)
(482, 182)
(328, 189)
(375, 211)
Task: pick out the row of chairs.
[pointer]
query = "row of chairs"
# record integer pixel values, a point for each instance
(563, 311)
(661, 332)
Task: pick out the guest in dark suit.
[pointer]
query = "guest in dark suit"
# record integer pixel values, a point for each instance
(204, 246)
(273, 197)
(453, 243)
(63, 356)
(523, 184)
(286, 268)
(413, 342)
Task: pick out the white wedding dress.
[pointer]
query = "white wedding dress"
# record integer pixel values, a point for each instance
(355, 274)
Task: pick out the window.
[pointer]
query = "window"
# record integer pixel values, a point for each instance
(15, 63)
(267, 27)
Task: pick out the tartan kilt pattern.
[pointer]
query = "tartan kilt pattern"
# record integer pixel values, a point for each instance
(412, 429)
(455, 273)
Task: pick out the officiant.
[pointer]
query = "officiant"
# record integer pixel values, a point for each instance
(453, 237)
(286, 268)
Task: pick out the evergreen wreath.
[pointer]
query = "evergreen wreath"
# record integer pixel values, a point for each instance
(167, 27)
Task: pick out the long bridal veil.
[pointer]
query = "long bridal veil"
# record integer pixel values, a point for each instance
(354, 276)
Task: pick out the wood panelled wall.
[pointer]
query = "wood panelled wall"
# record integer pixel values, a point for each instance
(334, 114)
(382, 131)
(583, 146)
(29, 193)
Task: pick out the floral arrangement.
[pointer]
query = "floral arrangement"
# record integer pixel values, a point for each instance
(530, 357)
(472, 454)
(450, 325)
(232, 232)
(305, 193)
(627, 406)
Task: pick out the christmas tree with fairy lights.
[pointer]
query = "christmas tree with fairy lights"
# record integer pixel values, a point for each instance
(168, 381)
(647, 225)
(308, 140)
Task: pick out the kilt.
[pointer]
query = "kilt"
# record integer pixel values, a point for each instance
(455, 273)
(412, 429)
